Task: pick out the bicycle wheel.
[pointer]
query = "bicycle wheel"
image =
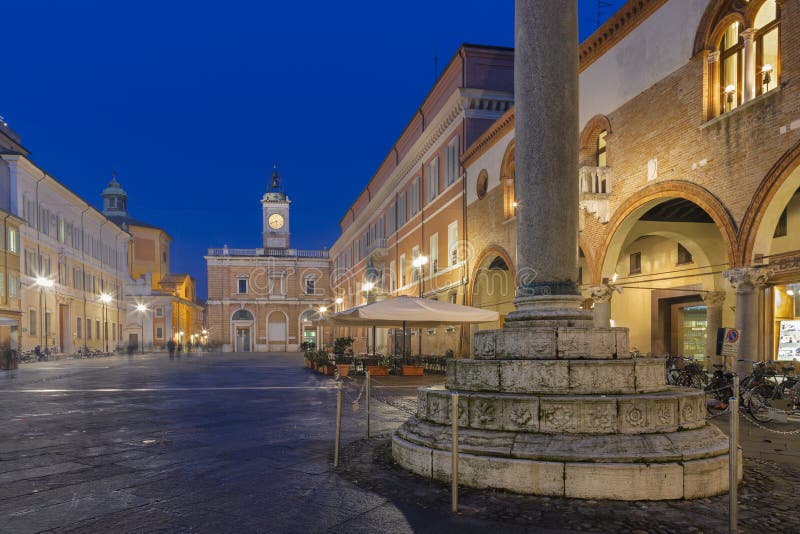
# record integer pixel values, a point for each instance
(759, 402)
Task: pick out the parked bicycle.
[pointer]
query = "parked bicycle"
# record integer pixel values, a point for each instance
(770, 390)
(685, 371)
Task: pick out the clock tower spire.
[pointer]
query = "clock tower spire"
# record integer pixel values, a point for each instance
(275, 211)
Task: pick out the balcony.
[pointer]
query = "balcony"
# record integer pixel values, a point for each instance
(595, 188)
(378, 249)
(268, 252)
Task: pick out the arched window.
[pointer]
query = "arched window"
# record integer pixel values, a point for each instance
(242, 315)
(730, 68)
(767, 39)
(507, 176)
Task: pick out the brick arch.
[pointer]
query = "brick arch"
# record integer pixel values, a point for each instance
(507, 179)
(752, 10)
(589, 256)
(588, 139)
(762, 200)
(717, 12)
(490, 251)
(666, 190)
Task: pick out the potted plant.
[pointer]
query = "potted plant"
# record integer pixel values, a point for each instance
(343, 364)
(308, 353)
(413, 368)
(323, 364)
(380, 367)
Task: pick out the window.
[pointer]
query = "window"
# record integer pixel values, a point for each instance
(402, 270)
(241, 286)
(392, 275)
(451, 162)
(47, 321)
(88, 328)
(415, 272)
(119, 331)
(401, 209)
(310, 286)
(159, 311)
(13, 240)
(62, 230)
(600, 152)
(97, 328)
(434, 253)
(392, 219)
(32, 322)
(636, 263)
(13, 286)
(433, 179)
(413, 197)
(452, 243)
(730, 58)
(767, 26)
(159, 333)
(782, 228)
(684, 256)
(483, 184)
(78, 328)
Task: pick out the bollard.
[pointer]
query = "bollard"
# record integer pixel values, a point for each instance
(454, 418)
(733, 458)
(338, 423)
(368, 393)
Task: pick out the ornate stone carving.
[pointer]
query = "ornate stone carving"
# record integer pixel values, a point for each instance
(485, 411)
(520, 415)
(713, 299)
(599, 417)
(745, 278)
(558, 417)
(603, 292)
(635, 416)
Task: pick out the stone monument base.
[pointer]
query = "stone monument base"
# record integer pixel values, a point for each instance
(566, 411)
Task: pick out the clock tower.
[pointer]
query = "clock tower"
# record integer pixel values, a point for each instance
(275, 211)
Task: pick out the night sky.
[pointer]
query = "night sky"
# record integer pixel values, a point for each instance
(191, 102)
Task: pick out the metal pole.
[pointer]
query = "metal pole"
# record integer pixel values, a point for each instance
(338, 423)
(142, 332)
(44, 319)
(454, 418)
(374, 350)
(733, 458)
(369, 388)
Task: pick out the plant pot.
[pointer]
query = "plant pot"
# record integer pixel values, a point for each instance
(413, 370)
(309, 363)
(326, 369)
(344, 369)
(377, 370)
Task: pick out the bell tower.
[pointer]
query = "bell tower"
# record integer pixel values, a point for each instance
(275, 213)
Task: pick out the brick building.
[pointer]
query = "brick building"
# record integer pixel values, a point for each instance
(690, 168)
(267, 298)
(413, 206)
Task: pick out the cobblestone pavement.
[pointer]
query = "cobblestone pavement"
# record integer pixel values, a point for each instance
(233, 443)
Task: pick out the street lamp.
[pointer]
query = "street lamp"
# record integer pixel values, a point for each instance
(105, 298)
(43, 282)
(322, 310)
(142, 309)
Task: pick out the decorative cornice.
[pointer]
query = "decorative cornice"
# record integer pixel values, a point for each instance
(491, 136)
(622, 23)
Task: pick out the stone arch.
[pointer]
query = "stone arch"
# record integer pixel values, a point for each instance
(507, 180)
(759, 221)
(639, 203)
(752, 9)
(719, 13)
(488, 252)
(588, 139)
(589, 257)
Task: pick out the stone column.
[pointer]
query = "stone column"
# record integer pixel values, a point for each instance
(749, 68)
(601, 295)
(713, 301)
(714, 83)
(546, 129)
(746, 281)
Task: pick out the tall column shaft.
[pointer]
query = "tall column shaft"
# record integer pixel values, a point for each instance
(746, 281)
(602, 304)
(546, 130)
(749, 71)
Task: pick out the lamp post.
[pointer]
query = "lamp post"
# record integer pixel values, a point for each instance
(43, 282)
(142, 309)
(419, 263)
(322, 311)
(105, 298)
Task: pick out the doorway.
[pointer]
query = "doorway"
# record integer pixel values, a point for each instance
(242, 339)
(64, 337)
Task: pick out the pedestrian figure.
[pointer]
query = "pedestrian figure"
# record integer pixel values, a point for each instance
(171, 349)
(39, 354)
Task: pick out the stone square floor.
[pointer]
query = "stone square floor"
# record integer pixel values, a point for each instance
(244, 443)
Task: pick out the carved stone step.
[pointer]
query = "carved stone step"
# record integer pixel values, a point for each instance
(567, 377)
(669, 411)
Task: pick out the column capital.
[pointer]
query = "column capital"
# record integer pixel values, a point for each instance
(713, 56)
(747, 276)
(748, 35)
(603, 292)
(713, 299)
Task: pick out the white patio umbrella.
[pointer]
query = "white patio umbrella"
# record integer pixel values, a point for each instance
(410, 312)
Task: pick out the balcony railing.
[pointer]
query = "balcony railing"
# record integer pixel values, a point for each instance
(595, 179)
(379, 245)
(269, 252)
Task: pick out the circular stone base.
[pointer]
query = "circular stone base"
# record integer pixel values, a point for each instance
(677, 465)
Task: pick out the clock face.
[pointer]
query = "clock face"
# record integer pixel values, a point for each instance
(275, 221)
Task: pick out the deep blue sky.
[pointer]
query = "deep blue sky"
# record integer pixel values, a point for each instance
(192, 101)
